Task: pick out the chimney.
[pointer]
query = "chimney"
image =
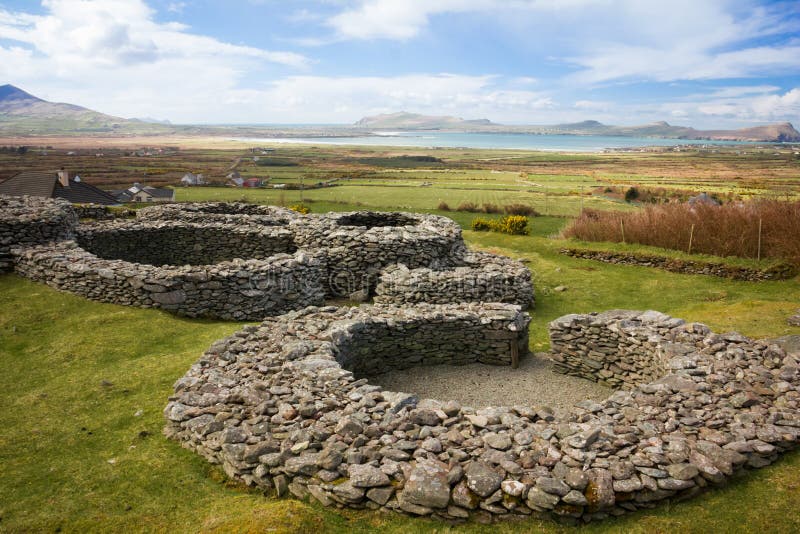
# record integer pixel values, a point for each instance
(63, 178)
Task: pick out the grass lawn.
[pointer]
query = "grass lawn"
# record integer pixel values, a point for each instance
(83, 386)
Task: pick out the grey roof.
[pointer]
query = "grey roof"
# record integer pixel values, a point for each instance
(126, 195)
(46, 184)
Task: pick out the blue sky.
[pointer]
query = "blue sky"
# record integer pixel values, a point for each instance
(705, 63)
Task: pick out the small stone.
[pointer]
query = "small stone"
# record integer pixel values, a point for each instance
(329, 458)
(319, 494)
(560, 289)
(627, 485)
(348, 492)
(297, 448)
(577, 479)
(480, 421)
(575, 498)
(500, 442)
(427, 486)
(513, 487)
(281, 485)
(682, 471)
(367, 476)
(380, 495)
(538, 499)
(425, 417)
(600, 490)
(552, 485)
(674, 484)
(482, 479)
(349, 427)
(745, 399)
(432, 445)
(233, 435)
(465, 497)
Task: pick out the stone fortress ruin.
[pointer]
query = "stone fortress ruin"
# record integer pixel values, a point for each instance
(288, 405)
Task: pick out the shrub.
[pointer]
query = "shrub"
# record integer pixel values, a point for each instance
(491, 208)
(468, 206)
(510, 224)
(443, 206)
(631, 194)
(521, 209)
(482, 225)
(300, 208)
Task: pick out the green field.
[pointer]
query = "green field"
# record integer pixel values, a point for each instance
(83, 386)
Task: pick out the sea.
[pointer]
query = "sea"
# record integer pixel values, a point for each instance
(521, 141)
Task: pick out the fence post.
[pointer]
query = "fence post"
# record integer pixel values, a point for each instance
(622, 227)
(691, 236)
(759, 239)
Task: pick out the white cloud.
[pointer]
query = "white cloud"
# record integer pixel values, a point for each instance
(176, 7)
(112, 55)
(404, 19)
(591, 105)
(346, 99)
(609, 39)
(738, 90)
(718, 109)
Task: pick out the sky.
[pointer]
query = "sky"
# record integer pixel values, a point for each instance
(702, 63)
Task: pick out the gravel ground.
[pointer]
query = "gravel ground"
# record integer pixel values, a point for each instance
(534, 383)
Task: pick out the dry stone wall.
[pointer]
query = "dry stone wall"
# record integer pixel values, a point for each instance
(31, 221)
(278, 406)
(479, 277)
(177, 243)
(361, 245)
(99, 212)
(781, 271)
(617, 348)
(236, 290)
(219, 212)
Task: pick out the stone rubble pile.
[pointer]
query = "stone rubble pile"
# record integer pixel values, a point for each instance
(278, 406)
(32, 221)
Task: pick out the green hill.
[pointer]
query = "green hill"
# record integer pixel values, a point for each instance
(22, 113)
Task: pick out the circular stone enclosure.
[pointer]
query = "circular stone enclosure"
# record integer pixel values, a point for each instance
(175, 244)
(197, 270)
(277, 406)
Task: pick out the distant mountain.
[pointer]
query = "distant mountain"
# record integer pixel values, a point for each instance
(782, 132)
(415, 121)
(21, 113)
(150, 120)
